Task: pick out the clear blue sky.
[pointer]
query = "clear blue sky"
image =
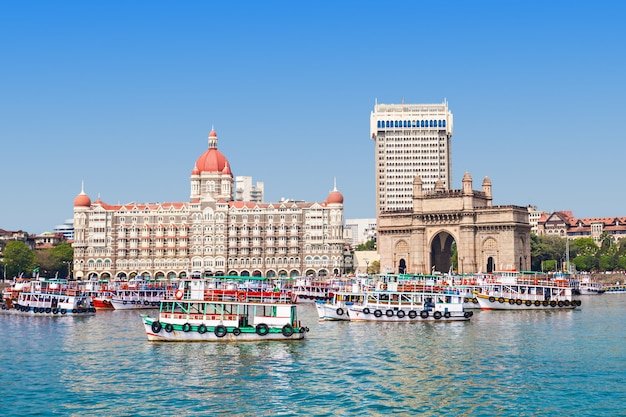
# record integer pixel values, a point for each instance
(122, 95)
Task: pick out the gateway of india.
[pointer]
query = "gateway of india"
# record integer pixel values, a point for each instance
(211, 234)
(419, 218)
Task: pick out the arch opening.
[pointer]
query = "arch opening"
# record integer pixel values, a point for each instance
(442, 250)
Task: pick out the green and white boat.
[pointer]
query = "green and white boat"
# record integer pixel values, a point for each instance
(220, 309)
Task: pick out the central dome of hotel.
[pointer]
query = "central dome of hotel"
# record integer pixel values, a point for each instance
(212, 160)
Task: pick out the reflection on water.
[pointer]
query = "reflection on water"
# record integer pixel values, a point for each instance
(500, 362)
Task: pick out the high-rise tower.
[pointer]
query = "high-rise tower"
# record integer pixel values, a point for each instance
(410, 140)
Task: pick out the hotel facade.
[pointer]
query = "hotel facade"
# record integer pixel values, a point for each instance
(212, 234)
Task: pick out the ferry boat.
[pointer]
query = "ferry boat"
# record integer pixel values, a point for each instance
(126, 295)
(337, 307)
(394, 300)
(587, 286)
(312, 289)
(407, 307)
(226, 309)
(47, 298)
(616, 288)
(135, 299)
(525, 291)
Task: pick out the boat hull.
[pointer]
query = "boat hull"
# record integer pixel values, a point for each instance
(379, 315)
(102, 303)
(326, 311)
(501, 303)
(47, 311)
(195, 333)
(590, 291)
(119, 304)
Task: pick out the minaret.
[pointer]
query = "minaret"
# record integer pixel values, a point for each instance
(468, 194)
(487, 191)
(418, 193)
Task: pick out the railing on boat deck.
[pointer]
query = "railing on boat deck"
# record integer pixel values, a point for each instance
(249, 296)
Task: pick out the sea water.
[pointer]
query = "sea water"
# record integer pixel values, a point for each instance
(526, 363)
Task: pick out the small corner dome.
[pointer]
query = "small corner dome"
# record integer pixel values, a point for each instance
(486, 181)
(335, 197)
(82, 200)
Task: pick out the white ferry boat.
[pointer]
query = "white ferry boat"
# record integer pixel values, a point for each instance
(47, 298)
(402, 302)
(127, 295)
(135, 299)
(342, 300)
(226, 309)
(588, 286)
(311, 289)
(526, 292)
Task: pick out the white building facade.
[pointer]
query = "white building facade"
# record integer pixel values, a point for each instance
(359, 231)
(410, 140)
(210, 235)
(247, 191)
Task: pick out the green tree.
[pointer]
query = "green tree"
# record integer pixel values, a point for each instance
(369, 245)
(454, 257)
(45, 262)
(546, 248)
(549, 265)
(63, 255)
(585, 263)
(607, 262)
(55, 261)
(585, 246)
(19, 258)
(374, 268)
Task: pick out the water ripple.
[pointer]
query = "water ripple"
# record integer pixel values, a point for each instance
(519, 363)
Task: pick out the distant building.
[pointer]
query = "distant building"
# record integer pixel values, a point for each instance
(7, 235)
(410, 140)
(47, 240)
(533, 218)
(66, 229)
(564, 224)
(246, 191)
(359, 231)
(211, 234)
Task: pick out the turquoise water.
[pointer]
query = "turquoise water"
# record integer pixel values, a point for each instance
(533, 363)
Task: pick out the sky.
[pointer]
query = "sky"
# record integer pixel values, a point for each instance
(121, 95)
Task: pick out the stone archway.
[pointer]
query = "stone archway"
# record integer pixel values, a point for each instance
(401, 252)
(441, 252)
(402, 266)
(442, 216)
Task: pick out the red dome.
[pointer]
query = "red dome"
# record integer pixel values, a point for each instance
(82, 200)
(211, 160)
(335, 197)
